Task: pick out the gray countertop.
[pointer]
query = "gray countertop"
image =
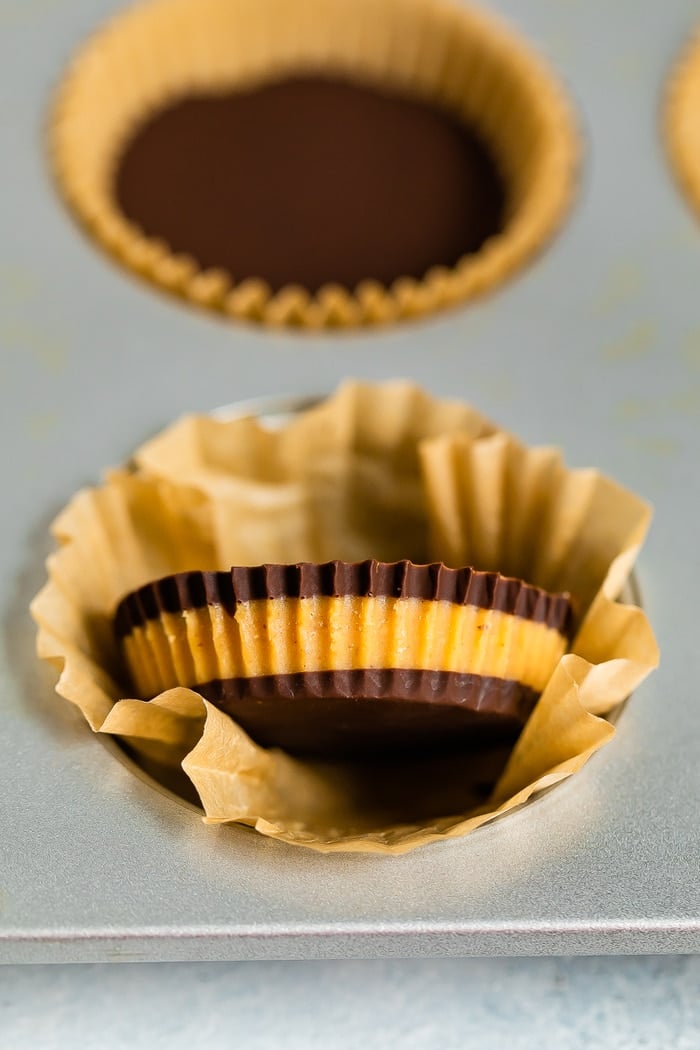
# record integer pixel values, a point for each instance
(452, 1004)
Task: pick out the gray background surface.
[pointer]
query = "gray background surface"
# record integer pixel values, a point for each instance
(417, 1004)
(596, 348)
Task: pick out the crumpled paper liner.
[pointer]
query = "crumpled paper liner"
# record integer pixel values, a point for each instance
(196, 499)
(461, 58)
(680, 129)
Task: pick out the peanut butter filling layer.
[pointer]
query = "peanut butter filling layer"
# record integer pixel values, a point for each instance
(291, 636)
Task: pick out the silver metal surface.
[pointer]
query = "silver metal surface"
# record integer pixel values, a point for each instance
(595, 348)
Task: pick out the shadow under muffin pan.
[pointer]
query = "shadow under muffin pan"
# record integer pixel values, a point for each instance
(302, 170)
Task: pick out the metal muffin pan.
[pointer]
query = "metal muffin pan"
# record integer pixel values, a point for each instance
(596, 348)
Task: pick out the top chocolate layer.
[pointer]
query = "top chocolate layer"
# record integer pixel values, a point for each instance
(402, 579)
(309, 180)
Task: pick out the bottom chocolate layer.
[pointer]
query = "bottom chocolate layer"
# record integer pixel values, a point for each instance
(343, 714)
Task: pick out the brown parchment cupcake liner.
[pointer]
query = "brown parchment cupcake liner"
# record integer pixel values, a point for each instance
(458, 57)
(342, 480)
(145, 523)
(681, 123)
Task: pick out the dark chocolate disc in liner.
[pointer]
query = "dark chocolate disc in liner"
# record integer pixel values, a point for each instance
(310, 180)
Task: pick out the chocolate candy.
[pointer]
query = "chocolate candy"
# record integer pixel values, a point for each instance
(311, 180)
(342, 659)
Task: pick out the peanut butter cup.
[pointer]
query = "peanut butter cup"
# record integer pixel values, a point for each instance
(340, 659)
(316, 164)
(464, 652)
